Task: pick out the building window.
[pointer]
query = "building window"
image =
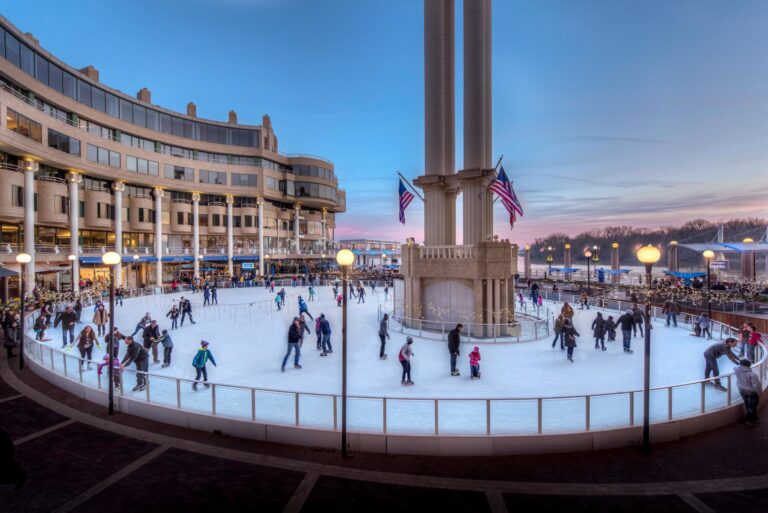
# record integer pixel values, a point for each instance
(213, 177)
(215, 220)
(17, 196)
(180, 218)
(103, 156)
(245, 180)
(273, 183)
(23, 125)
(203, 220)
(60, 204)
(179, 173)
(142, 166)
(248, 221)
(63, 142)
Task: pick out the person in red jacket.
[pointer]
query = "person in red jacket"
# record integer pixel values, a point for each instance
(754, 339)
(474, 363)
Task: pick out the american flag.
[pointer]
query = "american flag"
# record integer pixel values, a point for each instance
(405, 200)
(503, 187)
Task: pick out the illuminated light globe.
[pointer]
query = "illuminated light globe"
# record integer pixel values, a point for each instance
(588, 253)
(23, 258)
(709, 254)
(345, 258)
(71, 258)
(648, 254)
(110, 258)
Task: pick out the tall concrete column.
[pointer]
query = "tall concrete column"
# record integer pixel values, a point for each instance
(74, 179)
(230, 234)
(159, 193)
(118, 188)
(527, 262)
(615, 263)
(260, 202)
(567, 261)
(439, 120)
(196, 233)
(673, 263)
(324, 231)
(296, 237)
(748, 262)
(478, 200)
(29, 222)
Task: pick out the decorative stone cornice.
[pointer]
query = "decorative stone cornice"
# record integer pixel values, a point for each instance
(118, 187)
(259, 201)
(230, 199)
(74, 177)
(196, 197)
(159, 192)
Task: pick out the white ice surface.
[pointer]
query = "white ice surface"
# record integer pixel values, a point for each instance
(249, 343)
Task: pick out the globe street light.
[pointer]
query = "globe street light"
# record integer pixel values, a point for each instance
(23, 259)
(550, 259)
(708, 256)
(72, 259)
(111, 259)
(588, 255)
(344, 258)
(648, 255)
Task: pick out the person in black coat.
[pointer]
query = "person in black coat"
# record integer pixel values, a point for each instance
(295, 335)
(136, 354)
(570, 334)
(454, 340)
(598, 330)
(67, 319)
(625, 322)
(186, 310)
(151, 335)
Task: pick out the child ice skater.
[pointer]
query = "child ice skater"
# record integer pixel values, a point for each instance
(474, 363)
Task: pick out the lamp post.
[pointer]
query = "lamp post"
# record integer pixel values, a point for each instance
(588, 256)
(550, 259)
(344, 258)
(23, 259)
(136, 269)
(72, 259)
(111, 259)
(708, 256)
(648, 255)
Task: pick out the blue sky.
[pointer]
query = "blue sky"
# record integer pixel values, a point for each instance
(607, 112)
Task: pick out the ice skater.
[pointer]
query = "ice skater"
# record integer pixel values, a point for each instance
(406, 353)
(319, 333)
(361, 295)
(626, 322)
(383, 336)
(85, 342)
(559, 332)
(598, 331)
(174, 313)
(325, 328)
(454, 340)
(143, 322)
(199, 363)
(303, 308)
(115, 367)
(136, 354)
(279, 301)
(712, 354)
(610, 328)
(705, 325)
(295, 334)
(637, 319)
(68, 319)
(167, 342)
(570, 337)
(185, 305)
(311, 293)
(206, 295)
(214, 294)
(100, 319)
(474, 363)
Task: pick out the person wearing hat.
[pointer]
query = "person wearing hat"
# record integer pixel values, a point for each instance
(199, 361)
(405, 360)
(750, 389)
(167, 342)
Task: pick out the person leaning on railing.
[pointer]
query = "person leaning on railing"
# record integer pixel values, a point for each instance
(712, 354)
(750, 389)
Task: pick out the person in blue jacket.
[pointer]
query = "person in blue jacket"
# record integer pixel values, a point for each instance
(303, 308)
(198, 362)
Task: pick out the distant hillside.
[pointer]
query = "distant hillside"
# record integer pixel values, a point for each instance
(630, 238)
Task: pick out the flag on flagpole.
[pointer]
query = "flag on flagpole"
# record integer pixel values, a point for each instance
(405, 200)
(503, 187)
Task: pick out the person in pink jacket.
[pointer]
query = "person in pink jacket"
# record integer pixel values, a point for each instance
(474, 363)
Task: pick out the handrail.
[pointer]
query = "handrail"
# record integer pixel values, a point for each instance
(695, 401)
(11, 167)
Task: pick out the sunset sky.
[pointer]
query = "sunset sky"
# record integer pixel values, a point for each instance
(607, 112)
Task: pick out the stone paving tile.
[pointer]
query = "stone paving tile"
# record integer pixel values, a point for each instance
(752, 501)
(184, 481)
(21, 417)
(66, 462)
(343, 495)
(595, 504)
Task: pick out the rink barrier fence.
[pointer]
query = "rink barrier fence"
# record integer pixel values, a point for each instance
(701, 399)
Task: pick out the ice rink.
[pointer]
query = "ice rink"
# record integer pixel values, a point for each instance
(248, 340)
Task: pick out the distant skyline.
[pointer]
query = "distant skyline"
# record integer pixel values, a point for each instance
(607, 112)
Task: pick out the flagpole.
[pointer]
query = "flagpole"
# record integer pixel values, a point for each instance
(410, 186)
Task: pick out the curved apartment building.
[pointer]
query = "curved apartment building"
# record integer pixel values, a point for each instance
(87, 169)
